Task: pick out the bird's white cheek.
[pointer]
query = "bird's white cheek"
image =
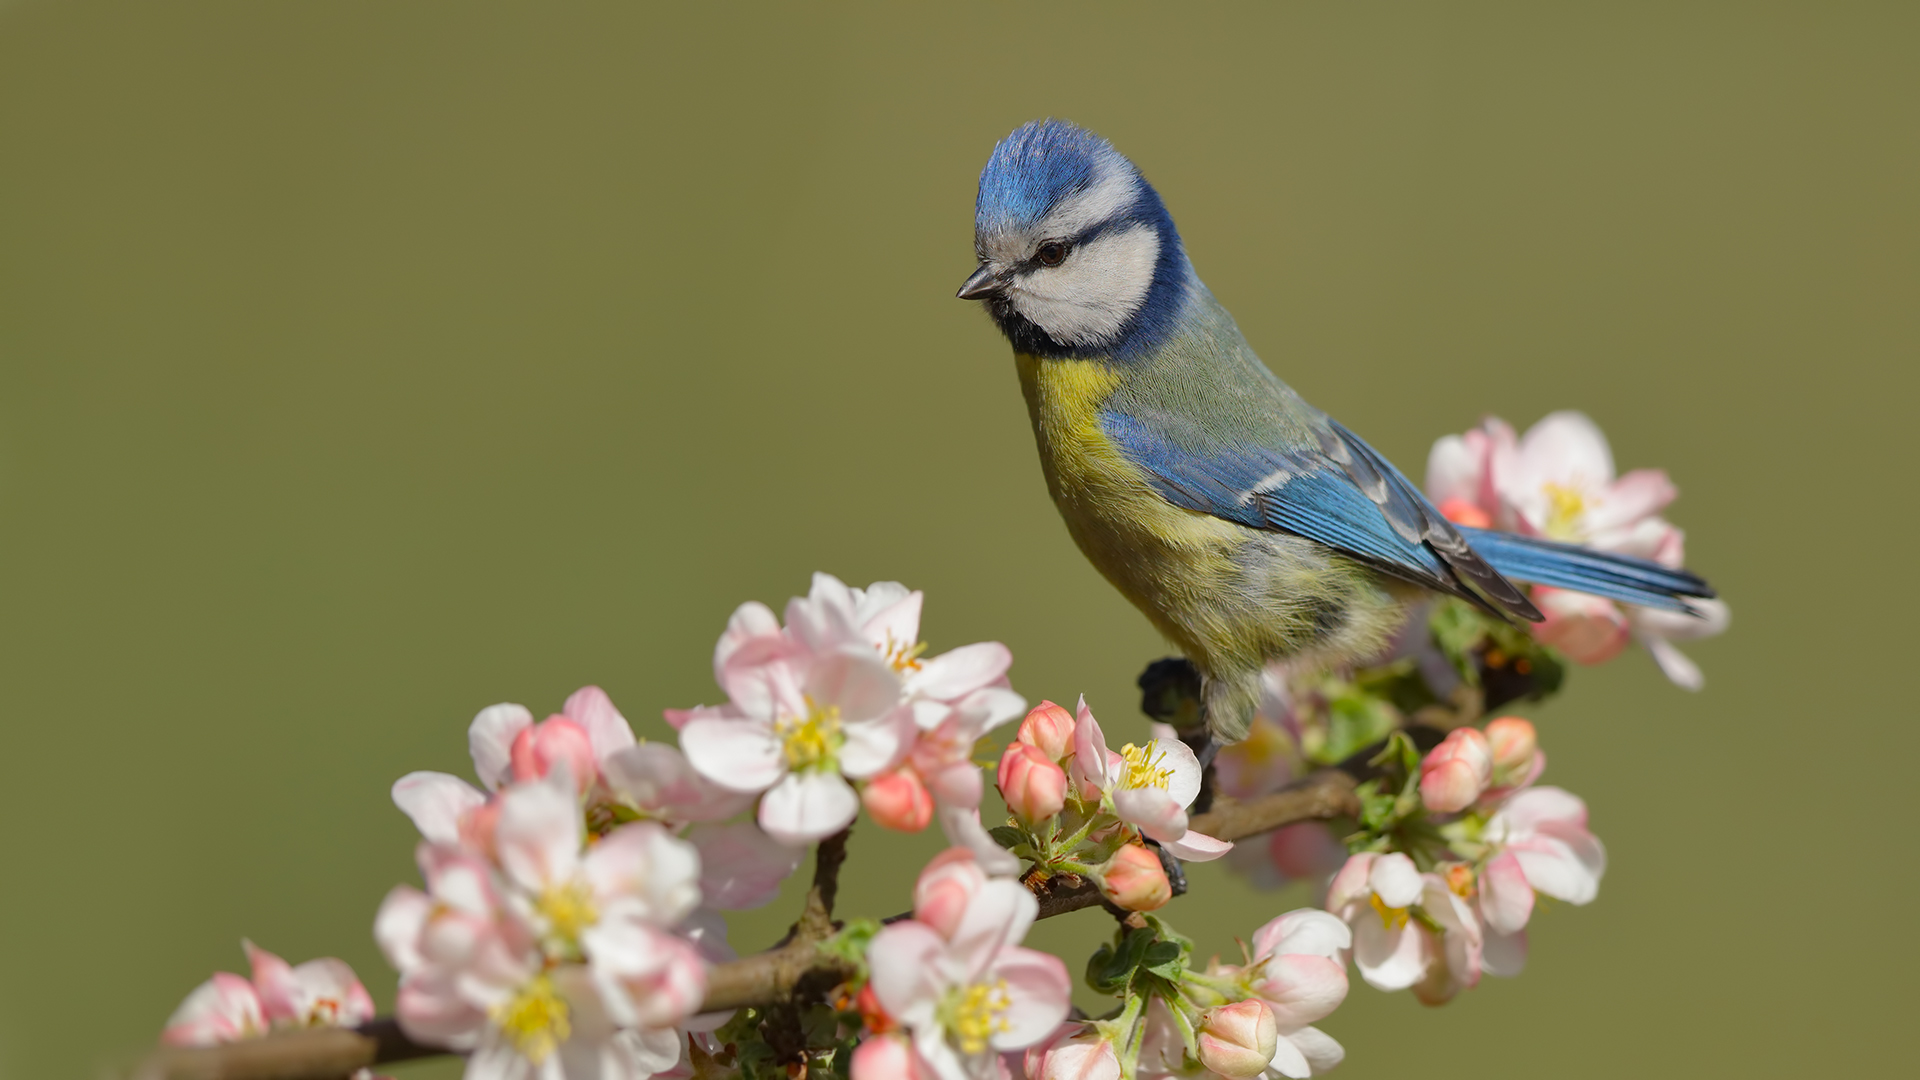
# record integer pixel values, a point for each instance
(1087, 299)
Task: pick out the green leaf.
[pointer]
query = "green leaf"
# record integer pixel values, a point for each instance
(1007, 836)
(1165, 959)
(1356, 720)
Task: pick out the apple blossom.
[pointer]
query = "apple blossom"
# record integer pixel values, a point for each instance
(1033, 786)
(942, 749)
(1075, 1051)
(899, 800)
(1237, 1040)
(1540, 844)
(1517, 757)
(796, 725)
(1461, 474)
(1049, 727)
(1657, 630)
(1375, 895)
(945, 887)
(886, 1057)
(1134, 879)
(555, 742)
(227, 1008)
(1148, 787)
(1453, 774)
(971, 995)
(741, 867)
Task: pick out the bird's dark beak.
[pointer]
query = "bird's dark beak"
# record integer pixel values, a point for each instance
(980, 286)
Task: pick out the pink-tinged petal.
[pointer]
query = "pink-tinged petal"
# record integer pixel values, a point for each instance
(609, 732)
(1350, 885)
(318, 993)
(1709, 617)
(1091, 758)
(658, 780)
(1454, 470)
(1506, 900)
(1039, 993)
(1301, 989)
(955, 674)
(957, 785)
(539, 835)
(962, 828)
(904, 959)
(752, 624)
(888, 612)
(1588, 629)
(397, 926)
(1318, 1047)
(680, 718)
(1395, 880)
(645, 863)
(1569, 448)
(1389, 958)
(1000, 915)
(857, 680)
(824, 619)
(804, 807)
(1639, 494)
(490, 741)
(1193, 846)
(742, 755)
(945, 888)
(1566, 868)
(1304, 931)
(1541, 807)
(556, 745)
(1288, 1061)
(988, 707)
(223, 1009)
(873, 746)
(898, 800)
(1153, 810)
(1677, 666)
(273, 982)
(643, 978)
(764, 680)
(741, 867)
(436, 802)
(1504, 955)
(432, 1012)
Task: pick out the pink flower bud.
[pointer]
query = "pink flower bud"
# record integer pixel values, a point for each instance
(885, 1057)
(1075, 1051)
(1238, 1040)
(1516, 751)
(1588, 629)
(945, 888)
(555, 741)
(1034, 787)
(1134, 879)
(1454, 773)
(1050, 728)
(899, 800)
(1461, 512)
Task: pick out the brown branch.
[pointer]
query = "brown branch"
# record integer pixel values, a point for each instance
(779, 976)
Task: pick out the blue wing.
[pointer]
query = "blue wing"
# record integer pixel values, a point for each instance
(1341, 492)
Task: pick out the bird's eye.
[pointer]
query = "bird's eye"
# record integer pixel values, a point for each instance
(1052, 253)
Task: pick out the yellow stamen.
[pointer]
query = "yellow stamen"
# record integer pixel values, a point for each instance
(568, 910)
(902, 656)
(1393, 918)
(535, 1019)
(813, 741)
(975, 1014)
(1460, 880)
(1565, 507)
(1143, 766)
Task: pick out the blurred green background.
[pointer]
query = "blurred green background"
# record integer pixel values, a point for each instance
(363, 364)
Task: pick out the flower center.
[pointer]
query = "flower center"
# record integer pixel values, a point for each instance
(1143, 766)
(1565, 507)
(1460, 880)
(811, 741)
(568, 909)
(903, 656)
(1393, 918)
(535, 1020)
(975, 1014)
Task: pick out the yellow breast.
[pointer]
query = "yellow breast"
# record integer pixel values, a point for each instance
(1172, 563)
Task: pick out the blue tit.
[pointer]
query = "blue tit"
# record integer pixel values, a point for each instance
(1248, 525)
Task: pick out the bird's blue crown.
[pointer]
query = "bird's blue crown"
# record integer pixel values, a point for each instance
(1054, 177)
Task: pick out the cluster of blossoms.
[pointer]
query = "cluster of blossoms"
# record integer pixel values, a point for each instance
(1080, 808)
(570, 913)
(1558, 481)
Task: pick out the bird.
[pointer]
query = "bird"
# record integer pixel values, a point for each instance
(1247, 525)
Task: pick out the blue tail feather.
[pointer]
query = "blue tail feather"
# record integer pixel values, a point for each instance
(1564, 566)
